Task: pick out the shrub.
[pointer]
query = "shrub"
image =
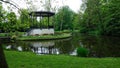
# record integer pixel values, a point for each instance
(82, 52)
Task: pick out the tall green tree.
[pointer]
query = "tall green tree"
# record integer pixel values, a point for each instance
(24, 20)
(101, 17)
(2, 17)
(11, 21)
(112, 18)
(92, 17)
(64, 18)
(77, 19)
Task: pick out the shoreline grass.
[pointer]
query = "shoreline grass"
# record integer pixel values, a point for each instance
(18, 36)
(3, 34)
(44, 37)
(30, 60)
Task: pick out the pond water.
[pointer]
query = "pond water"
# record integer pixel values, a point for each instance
(97, 46)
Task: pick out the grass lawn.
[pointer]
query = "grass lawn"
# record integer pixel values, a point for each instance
(45, 37)
(3, 34)
(18, 36)
(10, 34)
(30, 60)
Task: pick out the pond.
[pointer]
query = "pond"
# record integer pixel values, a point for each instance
(97, 46)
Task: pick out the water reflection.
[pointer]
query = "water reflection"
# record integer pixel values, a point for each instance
(97, 46)
(102, 46)
(44, 47)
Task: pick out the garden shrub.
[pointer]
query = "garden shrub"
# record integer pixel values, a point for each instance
(82, 52)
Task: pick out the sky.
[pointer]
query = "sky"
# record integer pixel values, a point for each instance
(73, 4)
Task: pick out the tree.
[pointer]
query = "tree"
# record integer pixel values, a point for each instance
(112, 18)
(24, 20)
(3, 13)
(101, 17)
(3, 63)
(11, 21)
(49, 5)
(92, 18)
(64, 18)
(77, 19)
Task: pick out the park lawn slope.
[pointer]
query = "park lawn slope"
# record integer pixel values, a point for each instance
(30, 60)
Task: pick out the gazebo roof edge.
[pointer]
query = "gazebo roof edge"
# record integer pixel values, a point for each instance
(41, 13)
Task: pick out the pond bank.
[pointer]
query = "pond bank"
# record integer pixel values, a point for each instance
(31, 60)
(20, 36)
(45, 37)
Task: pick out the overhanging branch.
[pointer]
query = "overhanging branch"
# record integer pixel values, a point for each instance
(10, 4)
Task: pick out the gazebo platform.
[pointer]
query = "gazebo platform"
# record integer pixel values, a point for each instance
(44, 31)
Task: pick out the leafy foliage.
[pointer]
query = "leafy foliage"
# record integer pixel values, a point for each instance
(64, 18)
(101, 17)
(82, 52)
(98, 17)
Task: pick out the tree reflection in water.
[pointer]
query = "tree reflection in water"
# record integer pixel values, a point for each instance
(43, 47)
(102, 46)
(97, 46)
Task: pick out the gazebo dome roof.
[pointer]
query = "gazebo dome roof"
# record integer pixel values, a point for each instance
(41, 13)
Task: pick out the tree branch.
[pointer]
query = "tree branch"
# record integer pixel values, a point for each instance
(10, 3)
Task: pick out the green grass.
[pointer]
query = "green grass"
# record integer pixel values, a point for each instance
(45, 37)
(30, 60)
(3, 34)
(18, 36)
(11, 34)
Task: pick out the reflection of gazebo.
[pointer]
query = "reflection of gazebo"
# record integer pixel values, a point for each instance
(44, 48)
(42, 30)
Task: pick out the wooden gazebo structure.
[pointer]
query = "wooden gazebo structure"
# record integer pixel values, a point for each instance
(42, 30)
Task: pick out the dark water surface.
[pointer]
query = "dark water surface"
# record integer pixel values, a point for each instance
(97, 46)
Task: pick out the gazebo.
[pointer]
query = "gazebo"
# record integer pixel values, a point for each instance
(41, 30)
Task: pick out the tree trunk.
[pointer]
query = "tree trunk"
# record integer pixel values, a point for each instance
(3, 63)
(61, 25)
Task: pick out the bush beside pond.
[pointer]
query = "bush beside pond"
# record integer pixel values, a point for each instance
(82, 52)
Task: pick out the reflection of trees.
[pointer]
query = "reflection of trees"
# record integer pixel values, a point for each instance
(15, 46)
(24, 45)
(75, 40)
(65, 47)
(102, 46)
(98, 46)
(3, 63)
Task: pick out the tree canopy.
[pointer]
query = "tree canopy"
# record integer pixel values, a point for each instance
(98, 17)
(101, 17)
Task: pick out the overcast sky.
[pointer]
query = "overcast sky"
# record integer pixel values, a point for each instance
(73, 4)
